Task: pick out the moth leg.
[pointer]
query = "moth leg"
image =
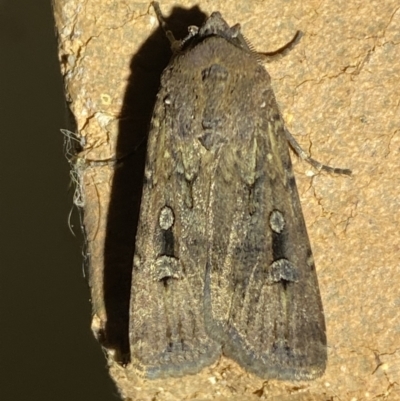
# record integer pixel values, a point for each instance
(276, 55)
(315, 163)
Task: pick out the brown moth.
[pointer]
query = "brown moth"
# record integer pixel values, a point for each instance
(222, 262)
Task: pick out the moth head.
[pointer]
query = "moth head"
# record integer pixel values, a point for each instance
(215, 25)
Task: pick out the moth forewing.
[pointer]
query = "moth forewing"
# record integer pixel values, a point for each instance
(167, 332)
(264, 304)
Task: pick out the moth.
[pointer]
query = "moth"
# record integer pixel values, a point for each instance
(222, 261)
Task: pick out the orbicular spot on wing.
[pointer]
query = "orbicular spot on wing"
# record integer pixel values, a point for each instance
(276, 221)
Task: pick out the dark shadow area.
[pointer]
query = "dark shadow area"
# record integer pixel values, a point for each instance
(144, 81)
(47, 349)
